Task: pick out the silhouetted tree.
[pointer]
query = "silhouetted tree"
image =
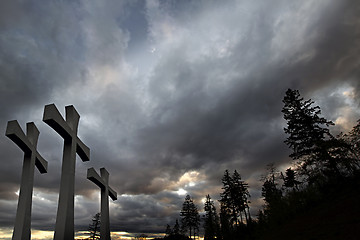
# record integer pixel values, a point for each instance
(354, 136)
(261, 218)
(354, 142)
(309, 135)
(227, 207)
(330, 162)
(211, 224)
(141, 237)
(272, 194)
(175, 233)
(168, 230)
(94, 227)
(234, 211)
(351, 142)
(290, 180)
(190, 216)
(241, 195)
(176, 229)
(234, 198)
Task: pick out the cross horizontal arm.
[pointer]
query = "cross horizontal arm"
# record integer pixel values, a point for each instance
(32, 134)
(67, 129)
(82, 150)
(95, 178)
(41, 163)
(16, 134)
(54, 119)
(112, 194)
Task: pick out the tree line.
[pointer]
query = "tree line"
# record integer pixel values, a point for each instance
(320, 161)
(234, 213)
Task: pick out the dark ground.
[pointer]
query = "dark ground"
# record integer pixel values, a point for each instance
(337, 217)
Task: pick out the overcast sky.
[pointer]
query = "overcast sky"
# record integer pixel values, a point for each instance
(170, 95)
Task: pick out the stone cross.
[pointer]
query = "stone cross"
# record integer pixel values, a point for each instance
(106, 191)
(64, 228)
(32, 158)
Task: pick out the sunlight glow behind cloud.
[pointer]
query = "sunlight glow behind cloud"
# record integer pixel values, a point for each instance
(181, 192)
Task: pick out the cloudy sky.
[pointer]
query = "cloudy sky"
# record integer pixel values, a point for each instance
(170, 94)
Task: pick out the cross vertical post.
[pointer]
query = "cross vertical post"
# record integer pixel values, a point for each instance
(67, 129)
(32, 158)
(103, 183)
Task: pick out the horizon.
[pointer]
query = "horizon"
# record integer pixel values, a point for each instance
(47, 235)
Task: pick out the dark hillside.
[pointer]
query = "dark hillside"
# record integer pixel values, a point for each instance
(336, 216)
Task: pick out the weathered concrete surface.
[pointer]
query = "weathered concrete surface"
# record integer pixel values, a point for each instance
(64, 228)
(32, 158)
(103, 183)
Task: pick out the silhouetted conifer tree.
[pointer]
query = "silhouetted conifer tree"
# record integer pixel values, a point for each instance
(241, 195)
(94, 227)
(227, 207)
(211, 224)
(176, 229)
(330, 162)
(190, 216)
(351, 142)
(290, 181)
(226, 226)
(308, 136)
(234, 198)
(354, 136)
(168, 230)
(175, 233)
(272, 194)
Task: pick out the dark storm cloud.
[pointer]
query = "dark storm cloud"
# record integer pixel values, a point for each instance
(170, 94)
(239, 124)
(145, 213)
(243, 121)
(36, 59)
(45, 51)
(36, 40)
